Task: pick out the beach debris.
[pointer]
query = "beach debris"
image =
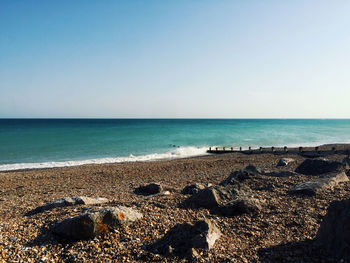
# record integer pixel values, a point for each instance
(93, 223)
(68, 201)
(318, 166)
(192, 189)
(149, 189)
(237, 176)
(284, 161)
(334, 232)
(311, 188)
(183, 239)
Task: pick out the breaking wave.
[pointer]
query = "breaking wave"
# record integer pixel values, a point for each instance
(181, 152)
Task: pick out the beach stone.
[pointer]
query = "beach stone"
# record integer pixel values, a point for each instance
(311, 188)
(192, 189)
(318, 166)
(149, 189)
(346, 162)
(183, 239)
(93, 223)
(280, 174)
(215, 196)
(334, 232)
(68, 201)
(284, 161)
(237, 176)
(243, 205)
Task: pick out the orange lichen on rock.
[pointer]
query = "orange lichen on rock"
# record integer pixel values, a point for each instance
(122, 216)
(102, 228)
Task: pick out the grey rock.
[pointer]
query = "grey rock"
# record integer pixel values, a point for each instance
(238, 176)
(68, 201)
(149, 189)
(285, 161)
(346, 162)
(318, 166)
(242, 205)
(227, 201)
(183, 239)
(192, 189)
(95, 222)
(280, 174)
(311, 188)
(334, 232)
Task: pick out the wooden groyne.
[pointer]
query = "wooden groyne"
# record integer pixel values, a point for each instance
(317, 151)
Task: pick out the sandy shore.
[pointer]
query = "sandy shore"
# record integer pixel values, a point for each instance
(282, 232)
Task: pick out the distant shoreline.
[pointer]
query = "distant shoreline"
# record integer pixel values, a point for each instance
(309, 151)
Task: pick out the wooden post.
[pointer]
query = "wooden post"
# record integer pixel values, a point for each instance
(240, 149)
(300, 149)
(285, 149)
(209, 149)
(261, 149)
(250, 149)
(273, 149)
(231, 149)
(316, 149)
(223, 148)
(216, 148)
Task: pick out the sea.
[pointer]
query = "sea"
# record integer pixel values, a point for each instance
(46, 143)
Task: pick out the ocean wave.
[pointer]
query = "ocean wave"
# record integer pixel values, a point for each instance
(181, 152)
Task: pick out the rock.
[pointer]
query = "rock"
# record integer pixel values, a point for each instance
(159, 194)
(240, 206)
(68, 201)
(240, 175)
(227, 201)
(216, 196)
(183, 239)
(334, 232)
(311, 188)
(192, 189)
(346, 162)
(285, 161)
(93, 223)
(280, 174)
(149, 189)
(318, 166)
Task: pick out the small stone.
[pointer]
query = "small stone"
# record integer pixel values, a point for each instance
(285, 161)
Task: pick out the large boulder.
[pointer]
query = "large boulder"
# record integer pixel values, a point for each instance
(68, 201)
(238, 176)
(192, 189)
(311, 188)
(183, 239)
(284, 161)
(95, 222)
(228, 201)
(334, 232)
(149, 189)
(242, 205)
(346, 162)
(318, 166)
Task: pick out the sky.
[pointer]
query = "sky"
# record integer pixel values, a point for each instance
(174, 59)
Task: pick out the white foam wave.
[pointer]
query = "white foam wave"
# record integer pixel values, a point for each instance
(181, 152)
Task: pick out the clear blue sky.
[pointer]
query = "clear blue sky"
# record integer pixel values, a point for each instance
(227, 59)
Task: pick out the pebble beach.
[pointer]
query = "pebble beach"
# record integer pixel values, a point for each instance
(283, 231)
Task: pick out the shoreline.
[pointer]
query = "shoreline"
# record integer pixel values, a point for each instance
(343, 147)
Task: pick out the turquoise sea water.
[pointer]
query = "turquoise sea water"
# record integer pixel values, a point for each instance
(34, 143)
